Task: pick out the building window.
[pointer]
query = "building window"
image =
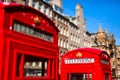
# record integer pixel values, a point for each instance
(45, 10)
(67, 33)
(73, 37)
(26, 2)
(29, 2)
(40, 6)
(64, 31)
(55, 16)
(61, 29)
(70, 47)
(67, 44)
(64, 44)
(33, 4)
(61, 52)
(51, 13)
(71, 27)
(61, 42)
(76, 38)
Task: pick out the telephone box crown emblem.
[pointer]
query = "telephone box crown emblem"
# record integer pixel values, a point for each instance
(79, 54)
(37, 21)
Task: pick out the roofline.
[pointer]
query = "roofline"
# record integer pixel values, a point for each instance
(93, 50)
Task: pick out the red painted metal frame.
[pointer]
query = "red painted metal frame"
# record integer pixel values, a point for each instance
(13, 43)
(96, 67)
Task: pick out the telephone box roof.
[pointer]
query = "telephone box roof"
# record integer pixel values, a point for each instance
(13, 7)
(89, 50)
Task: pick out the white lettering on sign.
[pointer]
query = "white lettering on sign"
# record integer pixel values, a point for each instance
(76, 61)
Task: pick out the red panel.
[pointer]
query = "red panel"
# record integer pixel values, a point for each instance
(18, 47)
(86, 61)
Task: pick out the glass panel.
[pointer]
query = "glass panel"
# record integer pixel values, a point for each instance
(18, 27)
(40, 5)
(27, 30)
(90, 76)
(22, 28)
(15, 26)
(35, 66)
(104, 61)
(45, 10)
(106, 76)
(32, 32)
(80, 76)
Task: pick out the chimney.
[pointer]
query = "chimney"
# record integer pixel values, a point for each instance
(79, 11)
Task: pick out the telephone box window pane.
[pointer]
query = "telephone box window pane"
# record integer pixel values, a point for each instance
(104, 61)
(31, 32)
(80, 76)
(18, 27)
(90, 76)
(15, 26)
(22, 28)
(35, 66)
(106, 76)
(27, 30)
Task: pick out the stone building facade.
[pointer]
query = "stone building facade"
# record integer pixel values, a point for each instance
(118, 62)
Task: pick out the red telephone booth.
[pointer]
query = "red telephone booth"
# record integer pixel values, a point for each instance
(86, 64)
(28, 44)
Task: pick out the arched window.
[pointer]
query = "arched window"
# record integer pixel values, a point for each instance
(64, 31)
(61, 29)
(76, 39)
(67, 32)
(71, 47)
(71, 36)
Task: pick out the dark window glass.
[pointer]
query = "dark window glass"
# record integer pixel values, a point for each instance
(22, 28)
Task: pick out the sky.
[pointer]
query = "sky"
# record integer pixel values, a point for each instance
(98, 12)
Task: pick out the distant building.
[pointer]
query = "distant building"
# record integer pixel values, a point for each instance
(118, 62)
